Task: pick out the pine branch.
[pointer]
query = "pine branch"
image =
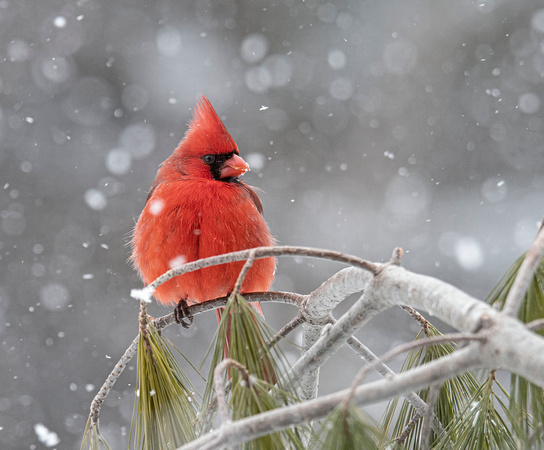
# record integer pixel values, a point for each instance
(258, 253)
(162, 322)
(508, 344)
(524, 276)
(278, 419)
(316, 310)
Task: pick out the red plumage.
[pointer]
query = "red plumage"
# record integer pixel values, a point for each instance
(198, 208)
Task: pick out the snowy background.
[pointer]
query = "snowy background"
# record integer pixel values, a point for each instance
(368, 125)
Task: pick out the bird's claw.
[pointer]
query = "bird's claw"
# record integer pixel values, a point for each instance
(182, 314)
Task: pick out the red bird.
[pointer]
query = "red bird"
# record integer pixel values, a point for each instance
(198, 207)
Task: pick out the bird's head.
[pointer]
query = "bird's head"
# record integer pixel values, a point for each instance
(208, 150)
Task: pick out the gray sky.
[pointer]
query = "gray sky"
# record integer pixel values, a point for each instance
(368, 125)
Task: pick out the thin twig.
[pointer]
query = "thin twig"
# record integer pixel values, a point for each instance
(432, 397)
(242, 274)
(396, 257)
(415, 400)
(443, 339)
(262, 252)
(401, 438)
(110, 381)
(417, 317)
(142, 319)
(536, 324)
(220, 390)
(361, 312)
(209, 305)
(525, 274)
(287, 328)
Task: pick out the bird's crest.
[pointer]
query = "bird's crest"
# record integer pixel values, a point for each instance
(206, 132)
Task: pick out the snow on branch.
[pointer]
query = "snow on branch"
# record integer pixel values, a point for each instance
(496, 339)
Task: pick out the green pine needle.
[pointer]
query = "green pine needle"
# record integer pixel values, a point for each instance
(527, 399)
(166, 408)
(92, 439)
(257, 398)
(247, 344)
(453, 395)
(480, 426)
(348, 429)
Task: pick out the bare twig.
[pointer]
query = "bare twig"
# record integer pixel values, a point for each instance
(401, 438)
(219, 389)
(335, 336)
(525, 273)
(432, 397)
(287, 328)
(142, 320)
(446, 338)
(209, 305)
(415, 400)
(535, 325)
(263, 252)
(110, 381)
(243, 273)
(417, 317)
(397, 255)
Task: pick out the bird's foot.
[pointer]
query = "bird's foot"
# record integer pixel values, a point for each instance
(182, 314)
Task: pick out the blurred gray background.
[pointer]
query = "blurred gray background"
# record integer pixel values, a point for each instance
(368, 125)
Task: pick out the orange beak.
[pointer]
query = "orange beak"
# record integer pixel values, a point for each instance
(234, 167)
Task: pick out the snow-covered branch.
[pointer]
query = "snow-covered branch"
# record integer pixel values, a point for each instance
(503, 341)
(497, 338)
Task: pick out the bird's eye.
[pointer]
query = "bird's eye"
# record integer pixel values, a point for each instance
(208, 159)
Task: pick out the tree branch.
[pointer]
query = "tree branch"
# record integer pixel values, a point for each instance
(259, 252)
(409, 346)
(524, 276)
(316, 310)
(281, 418)
(162, 322)
(370, 358)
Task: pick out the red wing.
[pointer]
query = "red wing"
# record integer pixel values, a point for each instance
(254, 197)
(157, 181)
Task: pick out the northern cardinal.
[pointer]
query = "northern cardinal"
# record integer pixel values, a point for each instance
(198, 207)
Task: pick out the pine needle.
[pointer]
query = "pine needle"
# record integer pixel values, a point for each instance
(527, 399)
(480, 426)
(258, 397)
(92, 439)
(166, 409)
(247, 344)
(348, 429)
(453, 395)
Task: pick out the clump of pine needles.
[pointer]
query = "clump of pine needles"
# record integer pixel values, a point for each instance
(251, 396)
(527, 403)
(166, 407)
(348, 428)
(480, 426)
(245, 335)
(452, 397)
